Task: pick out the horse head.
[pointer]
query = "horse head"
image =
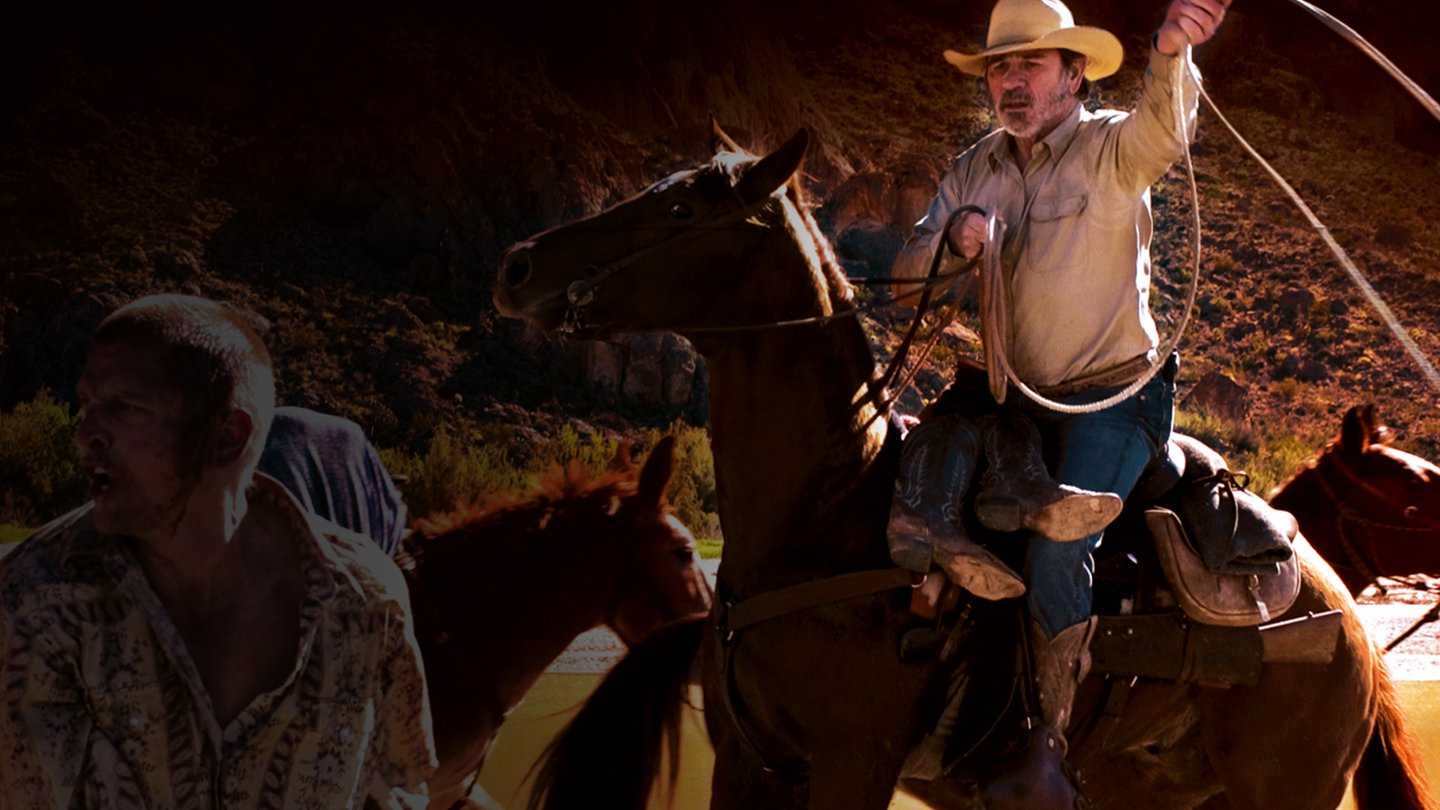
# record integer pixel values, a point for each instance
(658, 581)
(664, 258)
(1387, 486)
(1368, 508)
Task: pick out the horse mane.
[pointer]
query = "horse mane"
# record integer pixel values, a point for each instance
(518, 515)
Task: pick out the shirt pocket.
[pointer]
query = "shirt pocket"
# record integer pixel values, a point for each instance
(1057, 238)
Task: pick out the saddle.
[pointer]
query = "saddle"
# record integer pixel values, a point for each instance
(1196, 568)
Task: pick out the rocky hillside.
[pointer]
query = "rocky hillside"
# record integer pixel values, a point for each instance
(352, 174)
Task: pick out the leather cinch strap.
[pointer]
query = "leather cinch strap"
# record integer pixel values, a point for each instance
(732, 618)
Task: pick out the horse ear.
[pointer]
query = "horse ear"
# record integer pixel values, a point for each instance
(775, 169)
(720, 140)
(655, 475)
(1355, 429)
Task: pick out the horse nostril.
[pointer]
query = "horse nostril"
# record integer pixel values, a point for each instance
(516, 269)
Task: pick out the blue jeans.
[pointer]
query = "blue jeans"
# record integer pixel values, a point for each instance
(1103, 451)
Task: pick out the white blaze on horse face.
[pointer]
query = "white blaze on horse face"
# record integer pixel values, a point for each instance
(672, 180)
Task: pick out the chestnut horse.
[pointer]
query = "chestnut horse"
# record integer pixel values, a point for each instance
(815, 707)
(498, 593)
(1369, 509)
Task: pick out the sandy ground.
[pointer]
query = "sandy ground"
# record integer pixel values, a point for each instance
(1387, 614)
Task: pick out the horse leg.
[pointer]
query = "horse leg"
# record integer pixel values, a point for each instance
(1291, 741)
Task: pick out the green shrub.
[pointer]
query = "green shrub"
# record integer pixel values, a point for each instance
(1269, 457)
(451, 473)
(40, 475)
(692, 485)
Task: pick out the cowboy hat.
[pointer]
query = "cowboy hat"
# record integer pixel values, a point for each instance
(1027, 25)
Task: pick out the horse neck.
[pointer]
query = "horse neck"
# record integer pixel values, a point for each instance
(1306, 496)
(538, 596)
(795, 435)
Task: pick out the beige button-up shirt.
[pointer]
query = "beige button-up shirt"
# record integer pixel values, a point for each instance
(104, 708)
(1076, 252)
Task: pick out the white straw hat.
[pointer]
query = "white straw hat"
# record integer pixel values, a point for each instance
(1027, 25)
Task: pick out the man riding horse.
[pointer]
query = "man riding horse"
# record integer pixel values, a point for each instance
(1073, 187)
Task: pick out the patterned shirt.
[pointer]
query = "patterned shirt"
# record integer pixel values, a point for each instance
(1076, 251)
(104, 708)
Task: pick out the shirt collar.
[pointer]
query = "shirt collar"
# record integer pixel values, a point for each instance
(80, 540)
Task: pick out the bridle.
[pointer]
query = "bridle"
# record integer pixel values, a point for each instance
(579, 295)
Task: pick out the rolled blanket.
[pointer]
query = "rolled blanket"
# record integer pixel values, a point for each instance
(1233, 530)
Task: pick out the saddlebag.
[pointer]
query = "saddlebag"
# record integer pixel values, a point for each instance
(1248, 592)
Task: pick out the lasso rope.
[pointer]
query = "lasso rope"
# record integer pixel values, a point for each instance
(1386, 315)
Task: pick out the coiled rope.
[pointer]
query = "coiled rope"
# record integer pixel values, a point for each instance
(994, 320)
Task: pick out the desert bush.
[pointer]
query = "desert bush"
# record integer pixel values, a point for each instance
(692, 488)
(40, 475)
(1270, 457)
(451, 473)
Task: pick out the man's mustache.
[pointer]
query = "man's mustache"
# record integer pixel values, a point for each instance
(1016, 97)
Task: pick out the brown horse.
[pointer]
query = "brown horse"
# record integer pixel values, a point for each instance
(815, 707)
(498, 593)
(1370, 509)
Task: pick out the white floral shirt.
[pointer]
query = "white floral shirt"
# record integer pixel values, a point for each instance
(103, 706)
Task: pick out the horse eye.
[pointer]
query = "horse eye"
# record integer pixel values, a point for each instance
(681, 211)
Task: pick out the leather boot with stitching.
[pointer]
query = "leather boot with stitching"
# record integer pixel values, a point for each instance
(937, 465)
(1017, 491)
(1040, 780)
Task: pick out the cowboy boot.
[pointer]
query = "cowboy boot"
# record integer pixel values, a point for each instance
(1040, 780)
(1018, 493)
(937, 464)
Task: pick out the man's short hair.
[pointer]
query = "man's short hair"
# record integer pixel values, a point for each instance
(212, 357)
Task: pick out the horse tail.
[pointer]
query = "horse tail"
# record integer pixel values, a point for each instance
(619, 738)
(1390, 774)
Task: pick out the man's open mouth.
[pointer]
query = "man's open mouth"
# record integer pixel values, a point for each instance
(100, 481)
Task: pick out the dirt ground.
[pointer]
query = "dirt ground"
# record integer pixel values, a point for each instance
(1390, 608)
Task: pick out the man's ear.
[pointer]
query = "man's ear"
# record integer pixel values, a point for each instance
(232, 437)
(1079, 75)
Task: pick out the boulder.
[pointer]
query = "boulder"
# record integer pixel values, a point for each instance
(1221, 396)
(869, 246)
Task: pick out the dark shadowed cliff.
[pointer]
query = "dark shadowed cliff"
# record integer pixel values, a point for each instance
(353, 173)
